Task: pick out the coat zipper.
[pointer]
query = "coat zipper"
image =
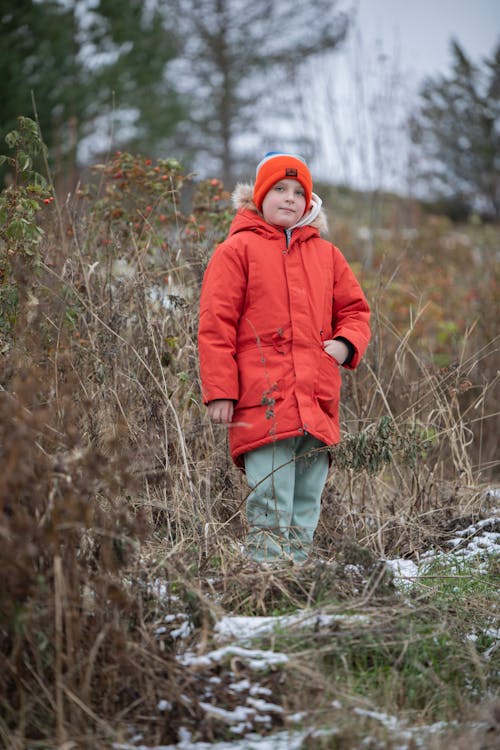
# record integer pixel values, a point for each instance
(288, 235)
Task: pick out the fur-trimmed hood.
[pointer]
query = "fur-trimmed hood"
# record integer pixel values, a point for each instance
(242, 198)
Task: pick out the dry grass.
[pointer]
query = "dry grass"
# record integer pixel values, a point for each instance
(115, 486)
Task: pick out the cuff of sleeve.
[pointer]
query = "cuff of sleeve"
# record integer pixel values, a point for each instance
(350, 347)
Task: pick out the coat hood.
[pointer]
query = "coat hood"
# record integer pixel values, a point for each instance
(242, 198)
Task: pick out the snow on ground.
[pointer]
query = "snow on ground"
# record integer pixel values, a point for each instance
(278, 741)
(410, 737)
(476, 542)
(256, 660)
(244, 629)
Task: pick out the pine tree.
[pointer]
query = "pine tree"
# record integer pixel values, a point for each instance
(457, 132)
(85, 63)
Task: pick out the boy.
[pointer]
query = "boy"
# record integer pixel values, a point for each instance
(280, 310)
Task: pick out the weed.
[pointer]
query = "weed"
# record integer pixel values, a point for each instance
(121, 510)
(20, 230)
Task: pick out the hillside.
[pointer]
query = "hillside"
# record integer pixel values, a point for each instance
(123, 574)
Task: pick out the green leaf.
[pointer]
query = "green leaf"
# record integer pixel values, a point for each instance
(39, 182)
(12, 138)
(24, 161)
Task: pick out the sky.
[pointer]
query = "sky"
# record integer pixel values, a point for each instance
(421, 31)
(357, 104)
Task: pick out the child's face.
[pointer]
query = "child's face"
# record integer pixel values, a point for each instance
(284, 204)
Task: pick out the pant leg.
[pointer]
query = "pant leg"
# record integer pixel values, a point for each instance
(311, 470)
(270, 472)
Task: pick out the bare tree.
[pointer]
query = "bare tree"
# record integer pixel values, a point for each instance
(236, 54)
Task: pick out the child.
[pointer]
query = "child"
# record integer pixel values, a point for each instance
(280, 310)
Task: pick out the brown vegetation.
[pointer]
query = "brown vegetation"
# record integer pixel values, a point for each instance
(113, 482)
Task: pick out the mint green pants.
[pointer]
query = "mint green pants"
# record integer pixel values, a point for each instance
(286, 478)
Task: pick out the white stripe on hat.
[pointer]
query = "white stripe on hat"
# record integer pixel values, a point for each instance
(272, 154)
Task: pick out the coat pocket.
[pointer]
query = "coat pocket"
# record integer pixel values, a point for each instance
(327, 384)
(261, 382)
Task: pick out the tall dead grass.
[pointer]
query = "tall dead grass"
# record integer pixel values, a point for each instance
(111, 472)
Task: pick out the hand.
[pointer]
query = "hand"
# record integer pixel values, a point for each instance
(336, 349)
(221, 410)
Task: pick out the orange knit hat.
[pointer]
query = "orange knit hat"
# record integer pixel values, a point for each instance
(276, 166)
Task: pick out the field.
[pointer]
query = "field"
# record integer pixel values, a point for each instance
(128, 615)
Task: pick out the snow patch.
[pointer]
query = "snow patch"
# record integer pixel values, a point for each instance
(255, 659)
(245, 629)
(468, 544)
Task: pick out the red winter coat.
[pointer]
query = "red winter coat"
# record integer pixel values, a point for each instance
(265, 311)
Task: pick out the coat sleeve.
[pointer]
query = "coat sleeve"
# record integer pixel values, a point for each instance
(222, 298)
(351, 313)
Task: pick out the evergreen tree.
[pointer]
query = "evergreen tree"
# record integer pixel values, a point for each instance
(239, 56)
(457, 132)
(85, 62)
